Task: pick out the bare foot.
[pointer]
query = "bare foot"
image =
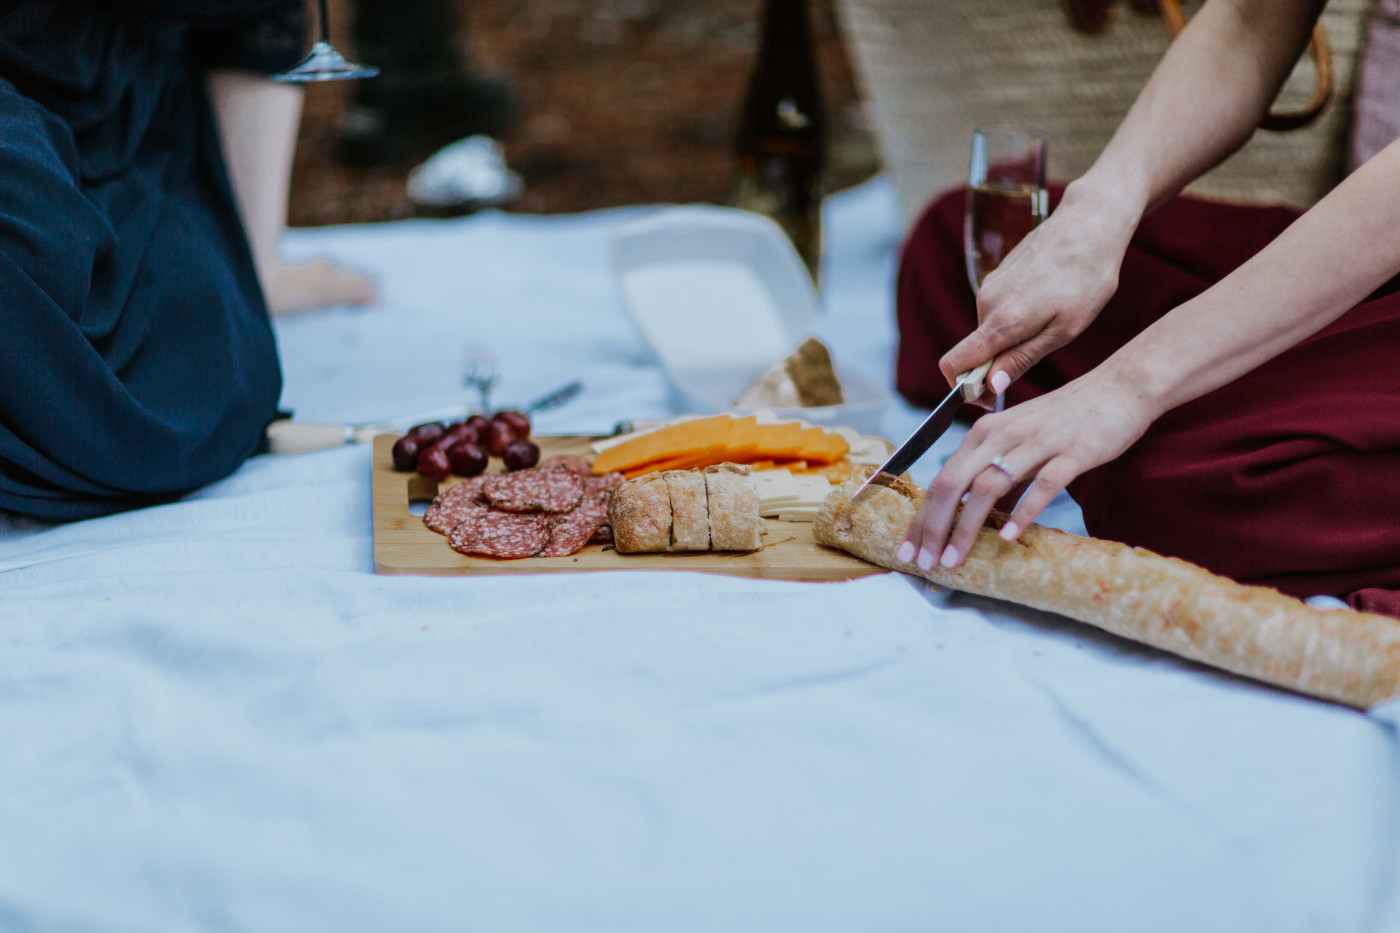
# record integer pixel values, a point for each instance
(319, 283)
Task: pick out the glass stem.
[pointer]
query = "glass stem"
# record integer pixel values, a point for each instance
(325, 24)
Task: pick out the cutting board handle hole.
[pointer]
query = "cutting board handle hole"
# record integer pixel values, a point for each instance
(421, 493)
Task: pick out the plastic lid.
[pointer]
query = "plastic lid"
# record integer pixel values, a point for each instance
(714, 289)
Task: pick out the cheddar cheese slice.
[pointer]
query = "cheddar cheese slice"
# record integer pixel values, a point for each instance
(704, 436)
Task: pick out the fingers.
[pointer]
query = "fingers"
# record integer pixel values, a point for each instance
(1008, 365)
(972, 482)
(1049, 481)
(946, 524)
(1034, 303)
(1013, 350)
(990, 485)
(970, 352)
(924, 541)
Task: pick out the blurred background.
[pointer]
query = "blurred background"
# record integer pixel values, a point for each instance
(598, 103)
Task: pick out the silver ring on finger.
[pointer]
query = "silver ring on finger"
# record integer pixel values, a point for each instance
(999, 463)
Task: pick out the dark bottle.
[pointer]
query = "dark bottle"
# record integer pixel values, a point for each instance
(781, 143)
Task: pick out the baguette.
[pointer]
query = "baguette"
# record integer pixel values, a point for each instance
(690, 516)
(640, 514)
(687, 510)
(732, 496)
(1344, 656)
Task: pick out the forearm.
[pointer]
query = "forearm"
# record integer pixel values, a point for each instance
(1202, 103)
(1204, 100)
(258, 120)
(1325, 263)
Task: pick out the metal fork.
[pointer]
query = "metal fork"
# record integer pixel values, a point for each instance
(483, 372)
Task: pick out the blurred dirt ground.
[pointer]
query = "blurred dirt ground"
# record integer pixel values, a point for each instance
(617, 102)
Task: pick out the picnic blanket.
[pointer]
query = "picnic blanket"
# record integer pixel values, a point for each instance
(215, 716)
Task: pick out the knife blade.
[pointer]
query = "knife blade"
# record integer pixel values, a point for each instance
(969, 386)
(555, 398)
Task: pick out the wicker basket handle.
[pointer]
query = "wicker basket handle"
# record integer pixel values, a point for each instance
(1322, 69)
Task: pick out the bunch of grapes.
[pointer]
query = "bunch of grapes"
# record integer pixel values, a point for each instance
(437, 449)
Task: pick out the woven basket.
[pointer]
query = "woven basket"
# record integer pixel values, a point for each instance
(932, 70)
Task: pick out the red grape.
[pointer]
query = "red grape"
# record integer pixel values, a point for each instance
(406, 451)
(426, 433)
(521, 455)
(518, 421)
(434, 463)
(498, 436)
(467, 458)
(462, 431)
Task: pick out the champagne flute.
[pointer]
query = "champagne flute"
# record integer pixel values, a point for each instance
(1006, 197)
(323, 62)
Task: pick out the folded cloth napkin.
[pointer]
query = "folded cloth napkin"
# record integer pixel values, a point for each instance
(1288, 477)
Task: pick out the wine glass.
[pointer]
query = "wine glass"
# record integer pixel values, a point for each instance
(1006, 194)
(323, 62)
(1006, 197)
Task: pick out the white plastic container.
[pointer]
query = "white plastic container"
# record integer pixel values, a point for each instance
(720, 295)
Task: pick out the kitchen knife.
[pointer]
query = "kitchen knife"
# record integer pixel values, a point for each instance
(286, 436)
(969, 386)
(555, 398)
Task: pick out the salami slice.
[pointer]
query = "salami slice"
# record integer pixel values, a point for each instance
(505, 535)
(571, 534)
(576, 465)
(533, 490)
(454, 504)
(580, 526)
(597, 490)
(603, 485)
(601, 535)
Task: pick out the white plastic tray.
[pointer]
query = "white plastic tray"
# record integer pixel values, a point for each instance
(720, 295)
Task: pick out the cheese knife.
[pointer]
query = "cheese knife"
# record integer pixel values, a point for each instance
(970, 385)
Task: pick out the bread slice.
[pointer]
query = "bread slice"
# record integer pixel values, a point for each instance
(1344, 656)
(733, 502)
(688, 510)
(640, 514)
(690, 517)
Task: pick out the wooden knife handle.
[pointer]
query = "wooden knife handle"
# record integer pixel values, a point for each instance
(285, 436)
(976, 381)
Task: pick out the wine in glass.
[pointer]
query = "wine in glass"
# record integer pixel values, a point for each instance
(1006, 195)
(323, 62)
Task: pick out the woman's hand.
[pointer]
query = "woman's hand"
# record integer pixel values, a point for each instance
(1050, 287)
(1047, 442)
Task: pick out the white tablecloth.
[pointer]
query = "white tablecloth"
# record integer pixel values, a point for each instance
(214, 716)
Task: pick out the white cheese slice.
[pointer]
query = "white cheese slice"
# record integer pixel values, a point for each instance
(775, 486)
(812, 486)
(797, 492)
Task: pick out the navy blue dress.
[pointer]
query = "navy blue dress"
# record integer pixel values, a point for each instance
(137, 361)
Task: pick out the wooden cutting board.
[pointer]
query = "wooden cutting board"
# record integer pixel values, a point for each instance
(404, 545)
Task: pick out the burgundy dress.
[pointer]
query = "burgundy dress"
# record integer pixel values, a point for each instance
(1289, 477)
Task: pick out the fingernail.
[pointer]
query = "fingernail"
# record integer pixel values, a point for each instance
(925, 559)
(950, 557)
(906, 552)
(1000, 381)
(1009, 531)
